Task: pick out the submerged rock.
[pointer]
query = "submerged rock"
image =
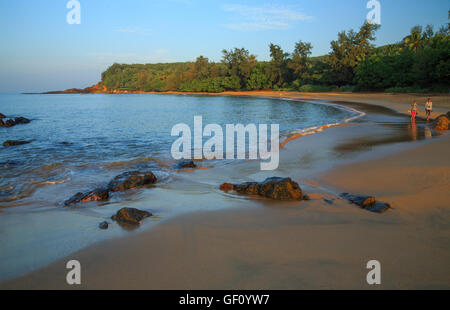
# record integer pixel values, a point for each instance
(226, 187)
(99, 194)
(441, 123)
(14, 122)
(368, 203)
(132, 179)
(130, 216)
(2, 115)
(103, 225)
(74, 199)
(362, 201)
(21, 120)
(9, 163)
(273, 188)
(14, 143)
(9, 123)
(330, 201)
(186, 164)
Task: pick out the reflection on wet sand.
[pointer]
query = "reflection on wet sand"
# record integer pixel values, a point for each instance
(413, 129)
(393, 133)
(428, 133)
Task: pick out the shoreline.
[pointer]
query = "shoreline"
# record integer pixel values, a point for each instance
(186, 223)
(397, 102)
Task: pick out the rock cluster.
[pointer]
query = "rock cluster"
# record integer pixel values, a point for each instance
(13, 122)
(273, 188)
(368, 203)
(122, 182)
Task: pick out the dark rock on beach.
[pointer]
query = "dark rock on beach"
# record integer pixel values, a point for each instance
(99, 194)
(130, 216)
(441, 123)
(273, 188)
(14, 143)
(2, 123)
(368, 203)
(103, 225)
(129, 180)
(186, 164)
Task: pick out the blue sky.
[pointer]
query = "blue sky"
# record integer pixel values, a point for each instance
(41, 51)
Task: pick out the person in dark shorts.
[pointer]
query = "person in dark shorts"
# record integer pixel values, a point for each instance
(428, 108)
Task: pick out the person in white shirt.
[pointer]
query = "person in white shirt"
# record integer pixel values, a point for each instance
(428, 108)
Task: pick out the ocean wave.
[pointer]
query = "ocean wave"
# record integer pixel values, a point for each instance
(138, 161)
(298, 133)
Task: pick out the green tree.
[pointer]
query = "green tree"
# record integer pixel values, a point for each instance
(239, 63)
(348, 51)
(414, 40)
(201, 66)
(278, 65)
(259, 79)
(300, 60)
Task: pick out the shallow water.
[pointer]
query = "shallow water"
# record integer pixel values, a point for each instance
(106, 135)
(103, 133)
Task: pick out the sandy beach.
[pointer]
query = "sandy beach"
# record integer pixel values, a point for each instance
(258, 244)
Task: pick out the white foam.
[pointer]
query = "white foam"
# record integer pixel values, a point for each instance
(315, 129)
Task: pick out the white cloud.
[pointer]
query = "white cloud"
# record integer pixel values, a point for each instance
(264, 17)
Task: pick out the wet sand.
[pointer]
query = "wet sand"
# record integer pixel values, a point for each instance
(310, 245)
(259, 244)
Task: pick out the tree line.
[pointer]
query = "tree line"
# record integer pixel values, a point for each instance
(419, 63)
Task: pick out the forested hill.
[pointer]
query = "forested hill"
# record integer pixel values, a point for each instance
(419, 63)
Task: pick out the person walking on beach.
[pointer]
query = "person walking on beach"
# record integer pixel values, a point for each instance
(428, 108)
(414, 110)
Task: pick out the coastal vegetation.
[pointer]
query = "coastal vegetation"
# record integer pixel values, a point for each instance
(419, 63)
